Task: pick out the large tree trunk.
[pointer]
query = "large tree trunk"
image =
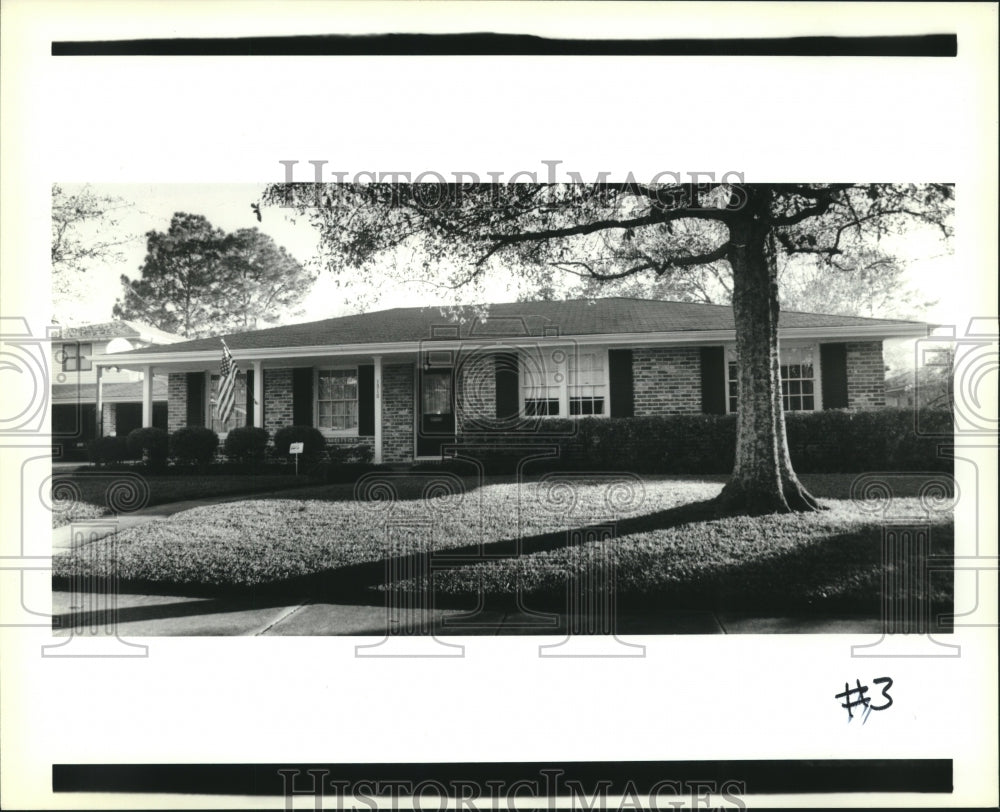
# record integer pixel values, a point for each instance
(762, 480)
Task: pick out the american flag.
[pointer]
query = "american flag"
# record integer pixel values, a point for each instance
(227, 385)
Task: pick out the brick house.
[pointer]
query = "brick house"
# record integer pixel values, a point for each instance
(408, 381)
(80, 387)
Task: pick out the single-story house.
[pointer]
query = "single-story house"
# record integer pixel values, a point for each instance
(407, 381)
(78, 385)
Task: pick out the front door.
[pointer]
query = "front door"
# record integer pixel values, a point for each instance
(437, 412)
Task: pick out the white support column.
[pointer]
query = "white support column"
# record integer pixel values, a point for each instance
(378, 409)
(99, 417)
(258, 394)
(209, 409)
(147, 396)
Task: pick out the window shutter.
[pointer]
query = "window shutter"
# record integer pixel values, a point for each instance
(249, 420)
(620, 378)
(366, 400)
(713, 380)
(302, 396)
(507, 383)
(196, 399)
(833, 368)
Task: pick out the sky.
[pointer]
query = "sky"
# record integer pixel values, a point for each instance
(227, 206)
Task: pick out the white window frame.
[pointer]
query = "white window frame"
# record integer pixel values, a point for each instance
(77, 356)
(329, 432)
(814, 346)
(562, 369)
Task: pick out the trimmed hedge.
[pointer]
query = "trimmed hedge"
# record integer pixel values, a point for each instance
(150, 444)
(194, 444)
(314, 442)
(349, 454)
(832, 441)
(108, 450)
(246, 444)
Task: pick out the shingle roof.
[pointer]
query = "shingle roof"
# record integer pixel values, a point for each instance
(121, 391)
(118, 329)
(574, 317)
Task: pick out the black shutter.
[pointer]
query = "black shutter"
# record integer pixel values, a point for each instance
(620, 378)
(713, 380)
(833, 368)
(196, 399)
(249, 420)
(302, 396)
(366, 400)
(508, 396)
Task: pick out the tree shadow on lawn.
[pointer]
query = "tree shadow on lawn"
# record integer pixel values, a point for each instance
(839, 574)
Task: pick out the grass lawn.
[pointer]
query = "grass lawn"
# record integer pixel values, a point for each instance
(670, 548)
(82, 495)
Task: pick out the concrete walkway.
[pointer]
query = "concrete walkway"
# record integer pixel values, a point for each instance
(140, 615)
(135, 615)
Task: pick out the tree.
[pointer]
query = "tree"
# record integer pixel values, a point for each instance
(197, 280)
(870, 283)
(464, 231)
(86, 229)
(263, 279)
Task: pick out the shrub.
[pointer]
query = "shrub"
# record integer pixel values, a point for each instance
(194, 444)
(834, 441)
(108, 450)
(150, 444)
(346, 454)
(247, 444)
(314, 442)
(845, 441)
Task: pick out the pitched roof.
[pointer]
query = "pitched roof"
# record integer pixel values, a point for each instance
(573, 317)
(118, 329)
(111, 392)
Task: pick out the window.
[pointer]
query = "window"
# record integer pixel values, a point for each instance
(76, 357)
(436, 387)
(798, 378)
(541, 383)
(586, 383)
(238, 416)
(564, 383)
(337, 399)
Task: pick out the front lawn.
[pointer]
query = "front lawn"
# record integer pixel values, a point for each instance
(669, 549)
(90, 494)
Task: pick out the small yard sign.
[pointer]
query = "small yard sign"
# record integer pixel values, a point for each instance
(296, 449)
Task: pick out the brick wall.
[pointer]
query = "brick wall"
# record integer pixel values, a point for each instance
(277, 399)
(397, 413)
(475, 390)
(109, 411)
(667, 380)
(865, 375)
(176, 401)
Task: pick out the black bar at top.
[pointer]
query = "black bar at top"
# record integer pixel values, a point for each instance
(486, 44)
(755, 777)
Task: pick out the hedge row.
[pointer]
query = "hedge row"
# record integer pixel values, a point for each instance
(833, 441)
(197, 446)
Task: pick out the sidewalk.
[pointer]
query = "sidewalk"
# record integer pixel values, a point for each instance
(135, 615)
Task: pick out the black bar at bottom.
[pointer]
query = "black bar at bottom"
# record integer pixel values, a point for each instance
(743, 777)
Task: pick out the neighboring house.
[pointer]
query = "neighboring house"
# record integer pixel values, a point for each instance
(929, 387)
(409, 380)
(77, 389)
